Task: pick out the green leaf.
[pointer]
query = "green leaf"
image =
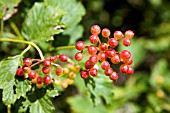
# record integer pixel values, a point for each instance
(24, 107)
(42, 22)
(10, 5)
(42, 105)
(52, 93)
(75, 11)
(7, 76)
(22, 87)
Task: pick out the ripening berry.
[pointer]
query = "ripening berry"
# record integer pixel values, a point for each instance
(76, 68)
(27, 62)
(72, 75)
(34, 81)
(105, 65)
(108, 71)
(115, 59)
(88, 64)
(129, 34)
(126, 42)
(130, 70)
(47, 79)
(47, 63)
(93, 72)
(92, 50)
(93, 59)
(118, 35)
(69, 81)
(57, 82)
(19, 72)
(79, 56)
(110, 52)
(125, 54)
(128, 61)
(64, 84)
(63, 57)
(70, 66)
(106, 32)
(53, 58)
(114, 76)
(39, 80)
(112, 42)
(103, 47)
(95, 30)
(32, 74)
(26, 69)
(123, 68)
(102, 56)
(94, 39)
(84, 74)
(59, 71)
(39, 86)
(46, 70)
(80, 45)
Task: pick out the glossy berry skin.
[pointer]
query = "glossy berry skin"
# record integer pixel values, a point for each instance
(129, 34)
(72, 75)
(130, 70)
(128, 61)
(102, 56)
(125, 54)
(39, 80)
(95, 30)
(92, 50)
(47, 63)
(27, 62)
(105, 65)
(79, 56)
(47, 79)
(108, 71)
(39, 86)
(80, 45)
(64, 84)
(19, 72)
(84, 74)
(93, 72)
(123, 68)
(26, 69)
(115, 59)
(112, 42)
(110, 52)
(118, 35)
(114, 76)
(46, 70)
(105, 32)
(103, 46)
(94, 39)
(59, 71)
(53, 58)
(88, 64)
(63, 57)
(126, 42)
(32, 74)
(93, 59)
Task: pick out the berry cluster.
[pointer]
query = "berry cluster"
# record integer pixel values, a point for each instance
(64, 76)
(103, 51)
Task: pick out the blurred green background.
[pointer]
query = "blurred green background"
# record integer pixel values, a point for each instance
(148, 90)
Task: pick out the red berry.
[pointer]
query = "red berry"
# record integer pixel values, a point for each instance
(105, 65)
(92, 50)
(32, 74)
(103, 46)
(46, 70)
(47, 79)
(102, 56)
(118, 35)
(39, 80)
(88, 64)
(94, 39)
(110, 52)
(93, 72)
(130, 70)
(126, 42)
(84, 74)
(125, 54)
(112, 42)
(106, 32)
(123, 68)
(79, 56)
(95, 30)
(63, 57)
(80, 45)
(53, 58)
(93, 59)
(114, 76)
(108, 71)
(116, 59)
(129, 34)
(128, 61)
(19, 72)
(27, 62)
(26, 69)
(47, 63)
(59, 71)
